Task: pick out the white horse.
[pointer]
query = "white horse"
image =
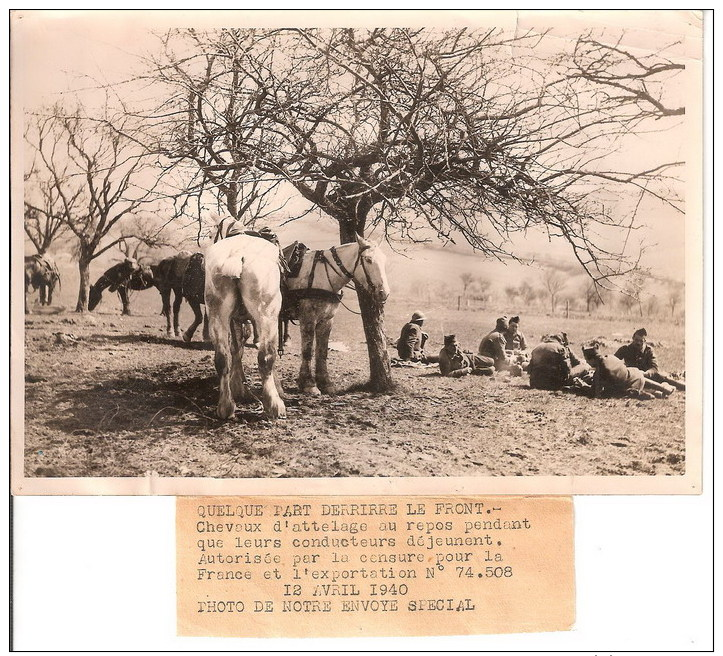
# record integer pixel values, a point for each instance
(242, 273)
(321, 276)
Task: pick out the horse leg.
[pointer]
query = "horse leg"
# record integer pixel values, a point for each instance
(264, 305)
(123, 293)
(177, 300)
(323, 330)
(268, 343)
(239, 385)
(205, 325)
(43, 296)
(306, 381)
(166, 311)
(197, 319)
(221, 306)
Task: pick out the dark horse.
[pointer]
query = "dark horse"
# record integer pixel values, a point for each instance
(184, 275)
(122, 277)
(40, 273)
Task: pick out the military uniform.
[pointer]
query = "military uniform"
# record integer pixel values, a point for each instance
(643, 359)
(453, 362)
(515, 342)
(613, 377)
(409, 344)
(492, 351)
(551, 365)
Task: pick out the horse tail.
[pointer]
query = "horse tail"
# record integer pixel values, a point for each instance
(232, 267)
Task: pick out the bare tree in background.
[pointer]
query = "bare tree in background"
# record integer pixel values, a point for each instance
(675, 297)
(652, 305)
(481, 289)
(593, 294)
(554, 282)
(528, 292)
(467, 278)
(97, 176)
(43, 222)
(417, 132)
(512, 293)
(627, 301)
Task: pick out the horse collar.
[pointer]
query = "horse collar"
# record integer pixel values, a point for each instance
(340, 264)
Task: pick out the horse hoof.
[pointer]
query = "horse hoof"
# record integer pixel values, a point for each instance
(186, 337)
(312, 391)
(225, 410)
(276, 410)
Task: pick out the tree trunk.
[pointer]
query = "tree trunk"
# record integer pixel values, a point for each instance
(84, 287)
(380, 371)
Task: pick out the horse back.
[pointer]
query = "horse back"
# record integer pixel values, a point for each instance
(169, 272)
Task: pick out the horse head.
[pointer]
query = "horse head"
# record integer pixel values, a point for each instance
(370, 272)
(94, 295)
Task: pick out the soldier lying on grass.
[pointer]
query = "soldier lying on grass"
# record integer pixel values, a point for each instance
(455, 363)
(640, 355)
(613, 378)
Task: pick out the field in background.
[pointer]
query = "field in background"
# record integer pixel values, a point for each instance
(112, 396)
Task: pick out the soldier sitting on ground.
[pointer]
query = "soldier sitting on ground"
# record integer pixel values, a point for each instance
(455, 363)
(514, 339)
(516, 344)
(492, 351)
(410, 345)
(553, 365)
(613, 378)
(640, 355)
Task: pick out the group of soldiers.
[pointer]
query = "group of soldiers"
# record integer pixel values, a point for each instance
(551, 365)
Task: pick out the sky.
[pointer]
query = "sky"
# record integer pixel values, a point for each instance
(53, 52)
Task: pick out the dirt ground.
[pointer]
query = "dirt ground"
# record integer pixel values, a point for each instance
(107, 395)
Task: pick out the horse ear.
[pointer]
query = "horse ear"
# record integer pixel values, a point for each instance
(361, 241)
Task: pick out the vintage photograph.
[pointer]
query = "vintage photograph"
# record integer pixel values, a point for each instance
(467, 247)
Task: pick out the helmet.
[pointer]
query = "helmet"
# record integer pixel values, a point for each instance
(418, 316)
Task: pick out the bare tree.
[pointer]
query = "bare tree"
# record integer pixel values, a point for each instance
(652, 305)
(412, 131)
(627, 301)
(43, 222)
(481, 289)
(593, 294)
(642, 82)
(528, 292)
(96, 176)
(554, 283)
(512, 293)
(675, 297)
(467, 279)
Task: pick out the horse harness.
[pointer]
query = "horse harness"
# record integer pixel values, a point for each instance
(320, 258)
